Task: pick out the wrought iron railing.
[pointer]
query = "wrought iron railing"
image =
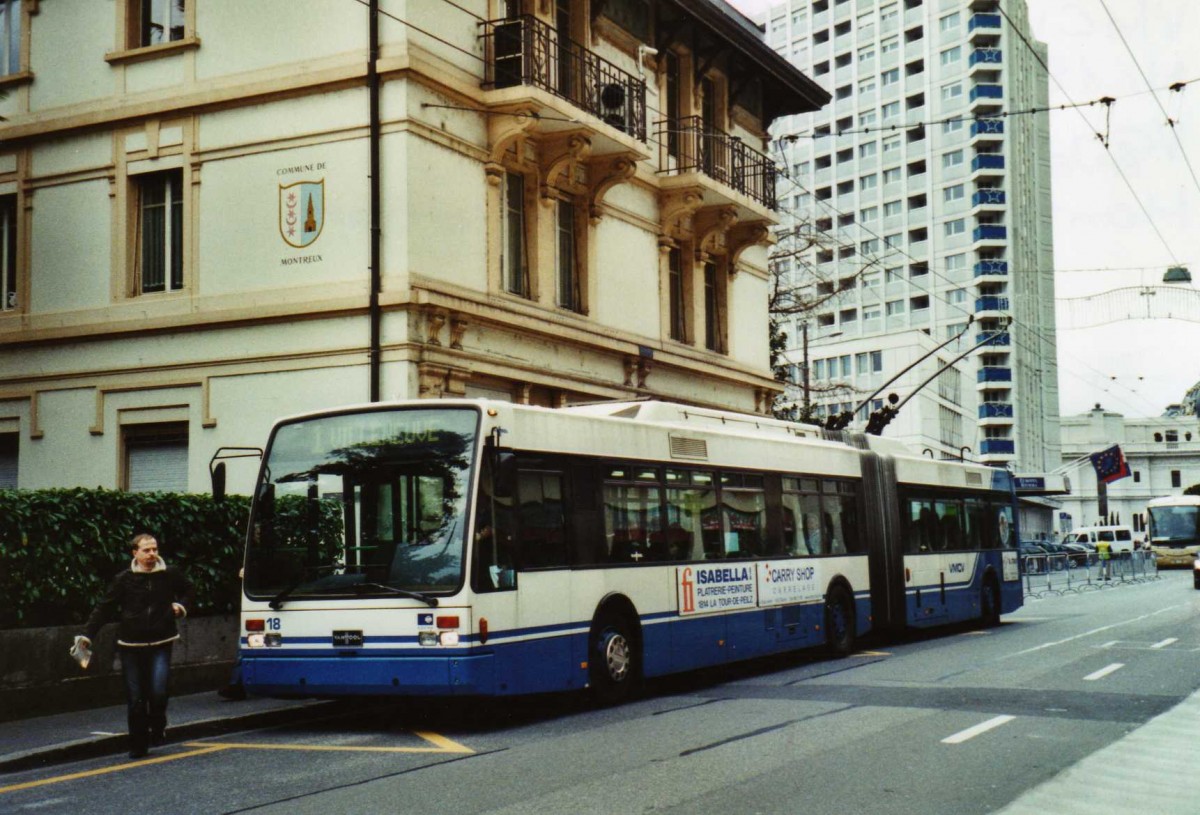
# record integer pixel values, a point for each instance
(526, 51)
(688, 145)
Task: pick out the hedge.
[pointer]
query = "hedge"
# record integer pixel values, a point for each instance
(60, 548)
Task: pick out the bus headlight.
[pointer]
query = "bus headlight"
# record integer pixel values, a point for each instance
(449, 638)
(427, 638)
(256, 640)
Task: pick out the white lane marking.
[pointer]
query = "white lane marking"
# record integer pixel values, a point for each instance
(972, 732)
(1103, 672)
(1165, 642)
(105, 733)
(1096, 631)
(1110, 644)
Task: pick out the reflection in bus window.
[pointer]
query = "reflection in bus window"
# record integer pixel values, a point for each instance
(631, 511)
(543, 539)
(745, 522)
(688, 536)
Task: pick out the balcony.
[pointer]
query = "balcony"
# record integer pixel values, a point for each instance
(993, 373)
(990, 232)
(987, 161)
(997, 447)
(529, 68)
(991, 302)
(987, 197)
(993, 338)
(984, 21)
(995, 410)
(991, 268)
(987, 92)
(687, 146)
(985, 56)
(987, 127)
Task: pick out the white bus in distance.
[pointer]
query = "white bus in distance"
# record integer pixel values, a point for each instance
(480, 547)
(1173, 523)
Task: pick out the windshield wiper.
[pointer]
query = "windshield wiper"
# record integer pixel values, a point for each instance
(365, 588)
(277, 601)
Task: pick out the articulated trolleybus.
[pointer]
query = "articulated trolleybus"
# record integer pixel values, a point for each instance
(486, 548)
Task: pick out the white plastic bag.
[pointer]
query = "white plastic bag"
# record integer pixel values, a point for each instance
(81, 651)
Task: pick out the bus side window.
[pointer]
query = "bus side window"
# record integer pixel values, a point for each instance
(542, 540)
(492, 538)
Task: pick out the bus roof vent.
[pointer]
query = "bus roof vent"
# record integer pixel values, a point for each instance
(975, 479)
(682, 447)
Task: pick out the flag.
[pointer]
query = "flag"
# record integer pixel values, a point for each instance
(1110, 465)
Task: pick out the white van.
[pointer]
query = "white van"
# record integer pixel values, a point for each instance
(1120, 538)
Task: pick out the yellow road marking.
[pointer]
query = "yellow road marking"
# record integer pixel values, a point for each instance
(441, 745)
(872, 654)
(209, 748)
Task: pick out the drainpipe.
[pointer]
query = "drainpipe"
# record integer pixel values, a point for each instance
(374, 353)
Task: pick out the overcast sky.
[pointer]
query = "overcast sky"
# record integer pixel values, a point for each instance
(1135, 367)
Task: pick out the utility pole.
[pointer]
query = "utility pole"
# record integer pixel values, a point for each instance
(807, 388)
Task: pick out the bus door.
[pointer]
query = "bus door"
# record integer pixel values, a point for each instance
(924, 562)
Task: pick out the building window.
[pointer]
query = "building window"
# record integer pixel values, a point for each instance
(952, 91)
(154, 22)
(892, 209)
(676, 296)
(956, 227)
(951, 56)
(891, 176)
(1137, 476)
(567, 259)
(866, 118)
(1176, 478)
(951, 126)
(156, 457)
(866, 86)
(868, 182)
(9, 449)
(954, 193)
(714, 336)
(889, 45)
(868, 150)
(8, 252)
(515, 252)
(890, 111)
(889, 77)
(869, 214)
(950, 21)
(952, 159)
(894, 307)
(10, 31)
(891, 144)
(956, 263)
(159, 231)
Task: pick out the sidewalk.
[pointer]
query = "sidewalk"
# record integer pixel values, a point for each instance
(83, 734)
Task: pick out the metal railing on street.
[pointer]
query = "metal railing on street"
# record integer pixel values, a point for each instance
(1063, 573)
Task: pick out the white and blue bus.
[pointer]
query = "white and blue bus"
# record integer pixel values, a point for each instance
(486, 548)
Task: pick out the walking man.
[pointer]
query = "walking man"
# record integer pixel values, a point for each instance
(146, 598)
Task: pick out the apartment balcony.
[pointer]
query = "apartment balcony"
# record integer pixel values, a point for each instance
(990, 303)
(990, 232)
(563, 87)
(993, 338)
(995, 410)
(985, 56)
(989, 23)
(991, 268)
(997, 447)
(986, 91)
(987, 130)
(988, 197)
(722, 168)
(987, 161)
(993, 373)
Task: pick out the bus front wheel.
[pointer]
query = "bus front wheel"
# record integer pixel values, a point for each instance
(839, 621)
(613, 665)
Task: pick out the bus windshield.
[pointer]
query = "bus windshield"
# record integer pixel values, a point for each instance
(370, 503)
(1173, 524)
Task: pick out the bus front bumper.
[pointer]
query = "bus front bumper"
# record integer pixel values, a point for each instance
(325, 676)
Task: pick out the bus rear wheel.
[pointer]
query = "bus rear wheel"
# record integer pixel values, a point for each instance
(614, 662)
(839, 622)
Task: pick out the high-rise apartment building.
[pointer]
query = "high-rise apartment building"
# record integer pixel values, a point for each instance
(926, 188)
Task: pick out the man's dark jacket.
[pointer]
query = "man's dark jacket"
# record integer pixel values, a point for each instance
(144, 602)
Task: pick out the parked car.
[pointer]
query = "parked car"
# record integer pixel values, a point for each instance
(1058, 558)
(1078, 553)
(1033, 556)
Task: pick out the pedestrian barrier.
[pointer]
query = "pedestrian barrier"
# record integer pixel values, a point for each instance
(1058, 574)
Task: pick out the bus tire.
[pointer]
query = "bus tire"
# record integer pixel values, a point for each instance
(839, 621)
(989, 602)
(614, 659)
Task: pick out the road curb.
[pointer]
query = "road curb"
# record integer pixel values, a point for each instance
(107, 745)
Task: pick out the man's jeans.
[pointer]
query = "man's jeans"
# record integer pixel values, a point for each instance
(146, 671)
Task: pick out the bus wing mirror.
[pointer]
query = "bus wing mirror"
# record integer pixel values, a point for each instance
(504, 475)
(218, 482)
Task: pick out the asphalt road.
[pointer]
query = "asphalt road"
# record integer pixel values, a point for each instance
(964, 722)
